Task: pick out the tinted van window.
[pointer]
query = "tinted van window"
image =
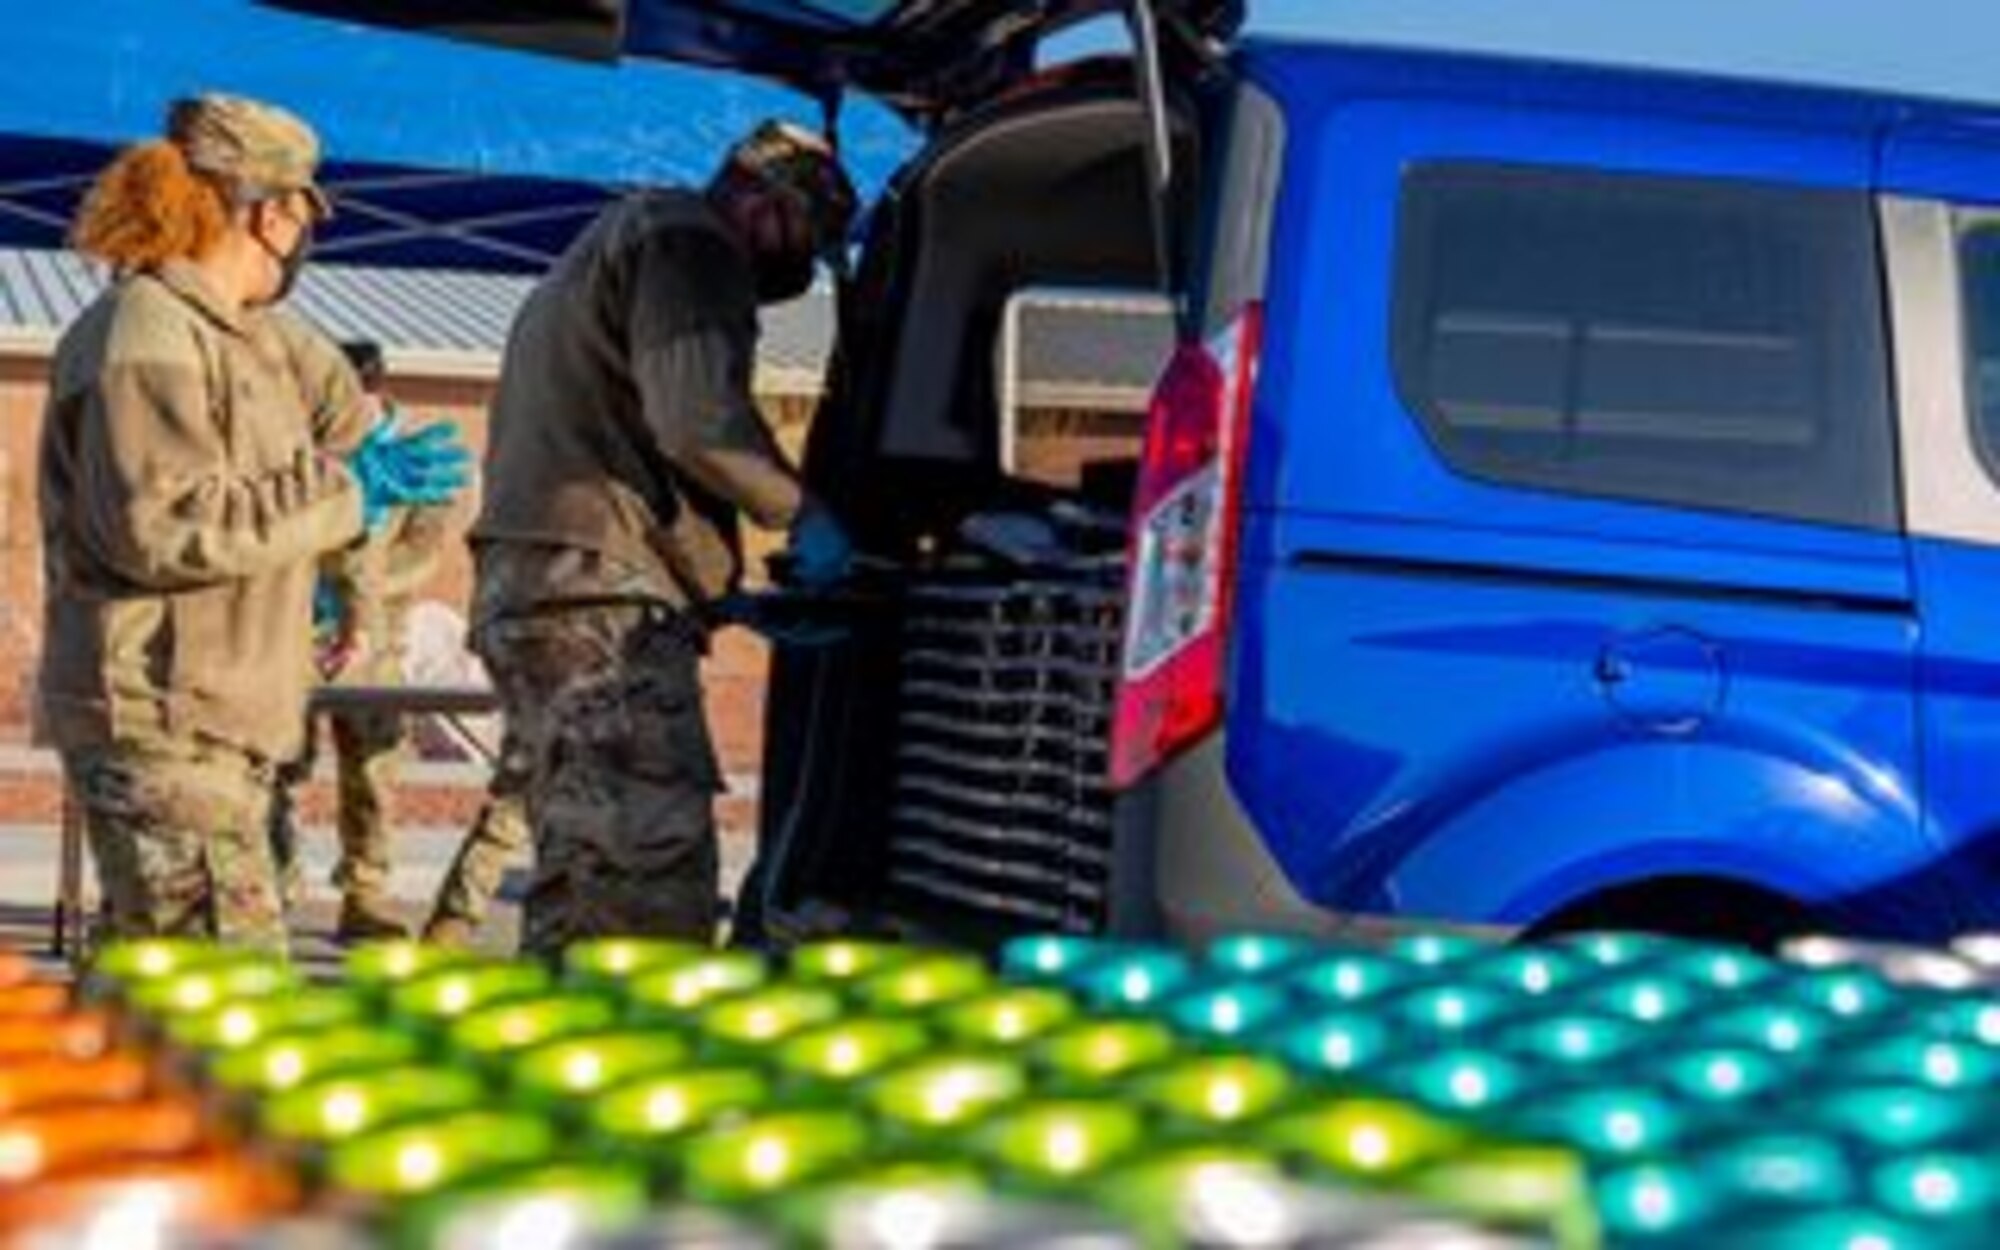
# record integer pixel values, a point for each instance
(1701, 343)
(1979, 265)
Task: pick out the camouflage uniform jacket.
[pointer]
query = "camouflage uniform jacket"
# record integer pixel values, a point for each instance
(624, 430)
(188, 489)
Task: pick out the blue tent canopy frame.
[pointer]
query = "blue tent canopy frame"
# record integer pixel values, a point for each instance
(387, 216)
(441, 154)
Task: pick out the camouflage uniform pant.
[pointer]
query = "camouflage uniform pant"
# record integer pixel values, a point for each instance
(366, 747)
(498, 837)
(181, 835)
(621, 778)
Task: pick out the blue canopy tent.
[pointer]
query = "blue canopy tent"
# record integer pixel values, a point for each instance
(441, 154)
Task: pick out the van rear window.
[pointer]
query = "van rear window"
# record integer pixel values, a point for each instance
(1690, 342)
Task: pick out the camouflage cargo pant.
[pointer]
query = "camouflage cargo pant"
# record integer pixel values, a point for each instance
(181, 835)
(366, 747)
(621, 775)
(498, 837)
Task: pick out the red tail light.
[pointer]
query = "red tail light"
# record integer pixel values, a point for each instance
(1183, 559)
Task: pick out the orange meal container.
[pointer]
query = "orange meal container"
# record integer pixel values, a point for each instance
(33, 998)
(69, 1035)
(119, 1076)
(15, 969)
(37, 1144)
(205, 1196)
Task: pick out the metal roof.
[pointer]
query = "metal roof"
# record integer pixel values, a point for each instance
(1076, 350)
(429, 321)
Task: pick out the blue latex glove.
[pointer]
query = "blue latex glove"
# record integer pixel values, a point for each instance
(820, 553)
(397, 470)
(369, 466)
(757, 614)
(327, 613)
(427, 466)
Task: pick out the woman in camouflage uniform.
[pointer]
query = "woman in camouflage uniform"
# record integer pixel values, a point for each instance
(200, 453)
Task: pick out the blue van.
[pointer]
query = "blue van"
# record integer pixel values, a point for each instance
(1574, 500)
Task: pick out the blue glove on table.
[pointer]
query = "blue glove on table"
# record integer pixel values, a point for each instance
(820, 553)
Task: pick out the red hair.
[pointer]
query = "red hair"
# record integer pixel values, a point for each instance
(148, 207)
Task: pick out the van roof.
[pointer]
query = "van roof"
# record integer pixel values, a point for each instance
(1306, 69)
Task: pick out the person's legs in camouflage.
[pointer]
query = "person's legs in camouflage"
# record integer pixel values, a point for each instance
(182, 837)
(622, 789)
(285, 820)
(499, 837)
(365, 748)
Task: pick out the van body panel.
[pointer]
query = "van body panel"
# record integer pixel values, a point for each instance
(1943, 159)
(1959, 680)
(1389, 720)
(1310, 75)
(1801, 819)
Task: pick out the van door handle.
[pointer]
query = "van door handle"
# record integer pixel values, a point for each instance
(1612, 670)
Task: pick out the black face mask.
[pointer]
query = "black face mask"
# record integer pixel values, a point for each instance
(290, 264)
(783, 276)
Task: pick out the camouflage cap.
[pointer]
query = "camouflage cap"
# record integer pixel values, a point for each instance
(259, 146)
(797, 160)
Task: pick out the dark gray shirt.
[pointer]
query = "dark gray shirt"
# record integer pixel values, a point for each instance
(625, 427)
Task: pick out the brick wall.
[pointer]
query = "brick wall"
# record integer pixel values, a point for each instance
(22, 388)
